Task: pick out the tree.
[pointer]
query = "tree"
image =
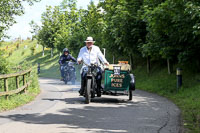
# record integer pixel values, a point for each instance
(9, 9)
(171, 31)
(35, 28)
(124, 30)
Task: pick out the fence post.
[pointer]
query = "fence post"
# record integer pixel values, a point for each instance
(17, 82)
(6, 86)
(179, 78)
(24, 81)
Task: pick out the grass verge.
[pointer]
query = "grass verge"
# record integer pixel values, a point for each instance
(18, 99)
(186, 98)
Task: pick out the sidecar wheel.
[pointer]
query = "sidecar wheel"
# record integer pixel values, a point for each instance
(130, 94)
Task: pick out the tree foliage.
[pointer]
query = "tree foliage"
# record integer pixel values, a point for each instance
(8, 10)
(160, 29)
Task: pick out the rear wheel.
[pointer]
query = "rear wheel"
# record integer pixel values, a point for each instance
(87, 91)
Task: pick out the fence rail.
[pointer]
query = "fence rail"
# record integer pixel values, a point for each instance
(7, 92)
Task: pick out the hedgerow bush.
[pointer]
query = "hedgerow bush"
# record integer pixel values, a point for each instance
(4, 65)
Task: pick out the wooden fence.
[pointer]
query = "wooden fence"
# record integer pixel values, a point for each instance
(7, 92)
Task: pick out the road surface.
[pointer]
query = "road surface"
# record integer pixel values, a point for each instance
(60, 109)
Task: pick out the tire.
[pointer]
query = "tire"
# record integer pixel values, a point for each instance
(87, 91)
(93, 88)
(73, 81)
(73, 78)
(130, 94)
(98, 92)
(92, 94)
(65, 80)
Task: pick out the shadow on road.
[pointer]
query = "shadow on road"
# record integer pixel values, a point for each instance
(103, 100)
(98, 118)
(89, 117)
(103, 115)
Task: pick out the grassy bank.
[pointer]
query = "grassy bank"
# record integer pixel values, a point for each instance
(186, 98)
(17, 62)
(19, 99)
(32, 55)
(49, 66)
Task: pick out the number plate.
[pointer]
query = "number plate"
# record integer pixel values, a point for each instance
(117, 70)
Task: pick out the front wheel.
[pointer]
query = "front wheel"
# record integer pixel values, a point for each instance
(87, 91)
(73, 82)
(65, 80)
(73, 79)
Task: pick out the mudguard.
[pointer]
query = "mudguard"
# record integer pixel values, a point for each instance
(132, 82)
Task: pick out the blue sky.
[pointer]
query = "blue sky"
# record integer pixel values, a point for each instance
(22, 28)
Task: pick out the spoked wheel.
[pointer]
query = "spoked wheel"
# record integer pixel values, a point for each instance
(73, 80)
(93, 88)
(65, 80)
(87, 91)
(130, 94)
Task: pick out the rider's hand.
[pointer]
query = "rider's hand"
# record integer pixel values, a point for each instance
(79, 62)
(107, 63)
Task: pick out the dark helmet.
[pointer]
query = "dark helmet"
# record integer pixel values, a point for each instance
(65, 50)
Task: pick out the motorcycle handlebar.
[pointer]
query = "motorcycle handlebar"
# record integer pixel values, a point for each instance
(89, 65)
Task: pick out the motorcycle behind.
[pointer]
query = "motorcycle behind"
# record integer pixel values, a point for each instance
(69, 72)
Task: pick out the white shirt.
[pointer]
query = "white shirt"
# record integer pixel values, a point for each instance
(92, 56)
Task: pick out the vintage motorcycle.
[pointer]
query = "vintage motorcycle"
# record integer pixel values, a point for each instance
(90, 83)
(118, 81)
(69, 72)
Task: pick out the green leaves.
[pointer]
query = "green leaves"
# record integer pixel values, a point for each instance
(171, 28)
(9, 9)
(160, 29)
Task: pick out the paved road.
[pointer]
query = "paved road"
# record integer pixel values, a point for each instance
(59, 109)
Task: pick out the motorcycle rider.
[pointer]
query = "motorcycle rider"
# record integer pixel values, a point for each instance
(66, 56)
(91, 54)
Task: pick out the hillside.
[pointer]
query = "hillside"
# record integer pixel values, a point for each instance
(30, 52)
